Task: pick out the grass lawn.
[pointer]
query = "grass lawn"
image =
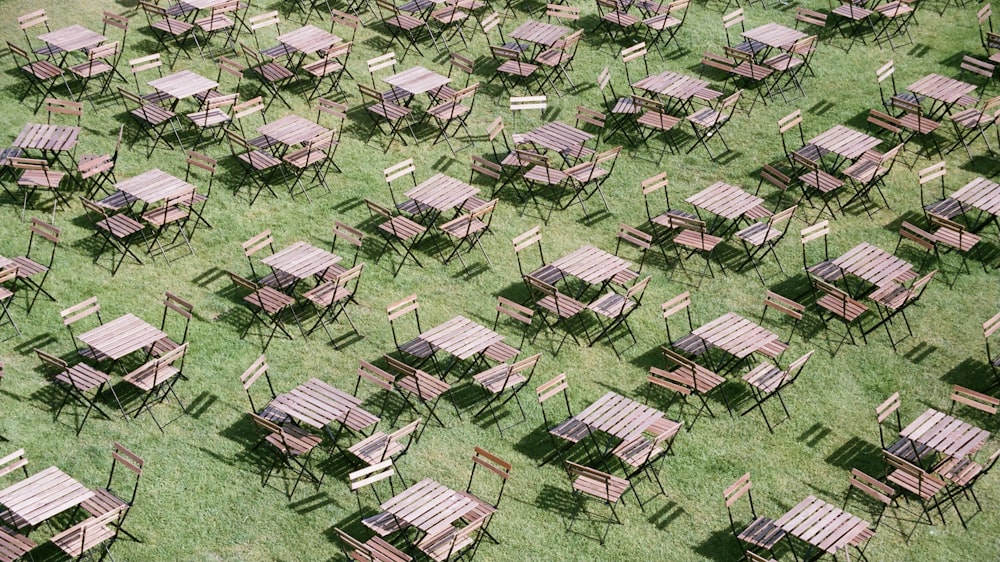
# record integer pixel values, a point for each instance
(200, 498)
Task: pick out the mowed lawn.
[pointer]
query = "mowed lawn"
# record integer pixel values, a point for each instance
(200, 496)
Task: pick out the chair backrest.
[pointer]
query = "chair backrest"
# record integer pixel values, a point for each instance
(256, 370)
(530, 238)
(55, 106)
(886, 410)
(916, 474)
(80, 311)
(635, 238)
(492, 464)
(981, 68)
(555, 386)
(349, 235)
(46, 232)
(345, 19)
(973, 399)
(182, 308)
(526, 103)
(917, 235)
(160, 367)
(83, 533)
(871, 487)
(374, 375)
(754, 557)
(143, 64)
(809, 17)
(397, 171)
(784, 305)
(599, 483)
(681, 302)
(795, 368)
(818, 231)
(133, 463)
(562, 13)
(630, 55)
(400, 309)
(743, 486)
(379, 63)
(13, 461)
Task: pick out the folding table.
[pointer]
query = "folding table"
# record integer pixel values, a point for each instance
(122, 336)
(307, 40)
(72, 38)
(42, 496)
(945, 92)
(291, 130)
(727, 202)
(153, 186)
(774, 35)
(441, 193)
(539, 34)
(822, 525)
(945, 434)
(299, 261)
(847, 143)
(681, 88)
(182, 84)
(57, 139)
(462, 338)
(736, 335)
(429, 506)
(591, 265)
(619, 416)
(874, 265)
(318, 404)
(982, 195)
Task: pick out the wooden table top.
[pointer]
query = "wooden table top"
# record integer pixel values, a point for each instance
(429, 506)
(417, 80)
(292, 129)
(941, 88)
(461, 337)
(41, 496)
(301, 260)
(725, 200)
(619, 416)
(41, 136)
(73, 38)
(673, 84)
(736, 335)
(872, 264)
(183, 84)
(202, 4)
(309, 39)
(774, 35)
(825, 526)
(554, 135)
(846, 142)
(591, 265)
(539, 33)
(317, 404)
(122, 336)
(945, 434)
(442, 192)
(153, 185)
(980, 193)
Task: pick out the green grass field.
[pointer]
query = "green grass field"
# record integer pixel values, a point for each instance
(200, 497)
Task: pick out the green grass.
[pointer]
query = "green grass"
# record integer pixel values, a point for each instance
(201, 499)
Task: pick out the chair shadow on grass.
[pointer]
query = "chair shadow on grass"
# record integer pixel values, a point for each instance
(970, 373)
(720, 546)
(857, 453)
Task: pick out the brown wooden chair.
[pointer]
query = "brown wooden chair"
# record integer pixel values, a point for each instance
(870, 172)
(838, 304)
(503, 351)
(502, 383)
(747, 72)
(817, 182)
(30, 24)
(693, 237)
(559, 58)
(198, 201)
(399, 24)
(543, 180)
(875, 491)
(260, 368)
(975, 400)
(373, 549)
(173, 214)
(523, 243)
(166, 28)
(620, 109)
(940, 205)
(685, 379)
(929, 489)
(989, 328)
(80, 382)
(150, 119)
(91, 533)
(954, 236)
(329, 69)
(915, 124)
(8, 276)
(41, 75)
(664, 20)
(260, 167)
(563, 309)
(381, 109)
(760, 239)
(767, 380)
(101, 66)
(271, 74)
(644, 454)
(401, 234)
(424, 387)
(708, 122)
(330, 299)
(895, 298)
(116, 494)
(659, 217)
(787, 127)
(487, 463)
(76, 313)
(656, 120)
(601, 486)
(383, 523)
(33, 271)
(267, 306)
(380, 447)
(156, 380)
(963, 473)
(293, 447)
(467, 231)
(119, 230)
(688, 344)
(901, 447)
(14, 545)
(378, 377)
(587, 178)
(36, 176)
(416, 348)
(219, 22)
(758, 532)
(452, 543)
(259, 243)
(613, 310)
(568, 432)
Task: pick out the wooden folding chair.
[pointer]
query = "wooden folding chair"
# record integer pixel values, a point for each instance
(271, 75)
(42, 75)
(621, 109)
(118, 230)
(989, 327)
(901, 447)
(693, 237)
(172, 214)
(708, 122)
(760, 239)
(415, 348)
(767, 380)
(502, 383)
(603, 487)
(267, 305)
(173, 305)
(792, 311)
(895, 298)
(644, 454)
(156, 379)
(218, 22)
(758, 532)
(685, 379)
(401, 234)
(8, 276)
(29, 24)
(689, 344)
(33, 272)
(330, 299)
(384, 523)
(421, 385)
(816, 181)
(466, 231)
(15, 545)
(875, 491)
(166, 28)
(100, 65)
(37, 176)
(963, 473)
(382, 109)
(588, 177)
(654, 118)
(330, 68)
(400, 24)
(81, 382)
(663, 20)
(259, 166)
(975, 400)
(380, 446)
(511, 69)
(293, 447)
(542, 180)
(115, 494)
(374, 548)
(91, 533)
(738, 18)
(453, 543)
(558, 59)
(564, 434)
(915, 124)
(929, 489)
(524, 242)
(150, 119)
(615, 309)
(971, 124)
(840, 305)
(259, 368)
(549, 301)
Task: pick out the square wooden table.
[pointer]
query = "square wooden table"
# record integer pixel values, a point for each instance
(301, 260)
(183, 84)
(72, 38)
(874, 265)
(292, 130)
(122, 336)
(429, 506)
(774, 35)
(307, 40)
(945, 92)
(318, 404)
(591, 265)
(55, 139)
(845, 142)
(555, 135)
(153, 186)
(619, 416)
(538, 33)
(725, 201)
(822, 525)
(441, 193)
(417, 80)
(736, 335)
(945, 434)
(461, 337)
(41, 496)
(679, 87)
(981, 194)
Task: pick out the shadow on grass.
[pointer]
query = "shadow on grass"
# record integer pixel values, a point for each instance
(814, 435)
(721, 546)
(970, 373)
(857, 453)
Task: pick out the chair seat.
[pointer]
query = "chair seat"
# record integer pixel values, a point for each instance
(172, 26)
(323, 67)
(947, 208)
(209, 117)
(548, 274)
(404, 22)
(43, 70)
(765, 377)
(260, 160)
(960, 471)
(657, 120)
(588, 173)
(103, 501)
(623, 19)
(864, 171)
(543, 175)
(923, 488)
(850, 312)
(959, 240)
(91, 68)
(296, 441)
(707, 117)
(909, 450)
(696, 240)
(691, 344)
(41, 178)
(919, 125)
(269, 299)
(83, 377)
(216, 22)
(821, 181)
(438, 547)
(661, 22)
(27, 267)
(759, 234)
(448, 110)
(376, 448)
(153, 114)
(625, 106)
(496, 380)
(385, 552)
(553, 57)
(826, 270)
(429, 388)
(120, 226)
(762, 533)
(783, 62)
(389, 111)
(325, 294)
(572, 430)
(564, 306)
(971, 118)
(515, 68)
(612, 305)
(82, 537)
(417, 348)
(402, 228)
(162, 216)
(852, 12)
(891, 296)
(148, 379)
(774, 348)
(610, 492)
(273, 72)
(162, 346)
(754, 72)
(14, 545)
(464, 228)
(279, 51)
